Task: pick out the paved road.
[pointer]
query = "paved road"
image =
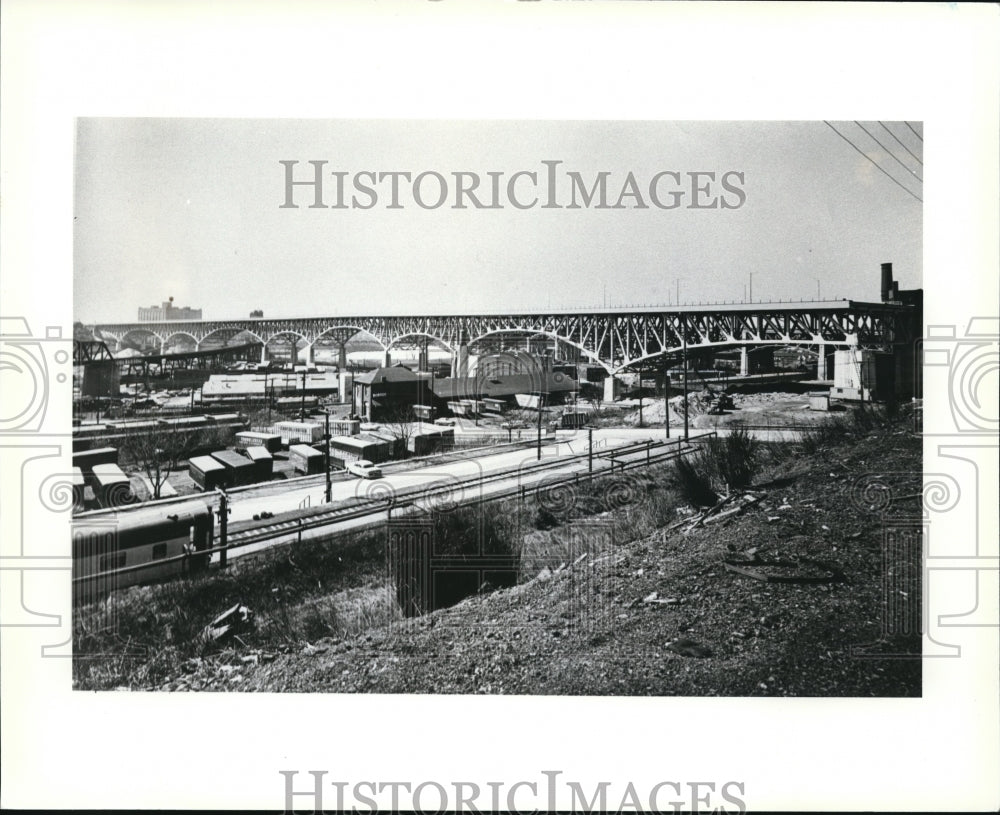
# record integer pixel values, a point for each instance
(401, 477)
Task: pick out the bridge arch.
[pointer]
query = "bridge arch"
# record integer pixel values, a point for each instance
(288, 332)
(533, 332)
(357, 329)
(235, 331)
(173, 334)
(145, 331)
(448, 346)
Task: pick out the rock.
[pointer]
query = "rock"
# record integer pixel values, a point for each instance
(234, 621)
(688, 648)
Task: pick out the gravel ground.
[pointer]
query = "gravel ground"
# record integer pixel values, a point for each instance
(662, 615)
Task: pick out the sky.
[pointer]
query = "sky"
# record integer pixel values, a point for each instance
(192, 209)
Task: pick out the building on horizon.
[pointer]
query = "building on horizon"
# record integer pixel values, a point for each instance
(168, 311)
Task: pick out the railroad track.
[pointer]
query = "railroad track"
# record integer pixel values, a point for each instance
(639, 454)
(286, 530)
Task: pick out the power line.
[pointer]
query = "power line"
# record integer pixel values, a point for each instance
(898, 160)
(907, 149)
(913, 131)
(877, 165)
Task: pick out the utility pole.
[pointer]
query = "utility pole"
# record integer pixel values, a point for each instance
(817, 288)
(640, 397)
(539, 455)
(590, 449)
(223, 526)
(751, 287)
(666, 397)
(326, 458)
(303, 416)
(685, 351)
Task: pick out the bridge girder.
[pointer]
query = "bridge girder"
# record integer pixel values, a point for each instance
(613, 339)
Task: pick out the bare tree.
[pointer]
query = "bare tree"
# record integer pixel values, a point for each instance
(158, 451)
(398, 422)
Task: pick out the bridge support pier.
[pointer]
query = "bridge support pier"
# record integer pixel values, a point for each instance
(612, 388)
(756, 360)
(342, 358)
(263, 354)
(460, 362)
(386, 360)
(821, 363)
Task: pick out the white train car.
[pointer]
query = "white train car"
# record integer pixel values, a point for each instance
(141, 546)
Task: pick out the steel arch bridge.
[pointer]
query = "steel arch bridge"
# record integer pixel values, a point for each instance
(616, 339)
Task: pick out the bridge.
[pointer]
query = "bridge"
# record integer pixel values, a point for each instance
(617, 339)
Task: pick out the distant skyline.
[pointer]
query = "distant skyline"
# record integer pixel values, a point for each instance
(192, 209)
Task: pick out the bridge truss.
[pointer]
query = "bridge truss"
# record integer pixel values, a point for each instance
(615, 339)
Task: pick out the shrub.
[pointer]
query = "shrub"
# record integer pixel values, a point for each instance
(822, 436)
(695, 485)
(736, 458)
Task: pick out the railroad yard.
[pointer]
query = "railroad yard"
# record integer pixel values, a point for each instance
(657, 576)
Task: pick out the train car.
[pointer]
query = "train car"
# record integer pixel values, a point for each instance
(141, 546)
(112, 487)
(184, 422)
(226, 418)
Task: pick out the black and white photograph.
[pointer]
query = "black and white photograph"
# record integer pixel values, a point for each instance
(510, 406)
(499, 407)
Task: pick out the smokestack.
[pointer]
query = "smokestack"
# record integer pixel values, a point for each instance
(894, 291)
(886, 281)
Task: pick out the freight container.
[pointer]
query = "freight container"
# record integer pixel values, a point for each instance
(111, 486)
(429, 439)
(250, 438)
(298, 432)
(263, 463)
(207, 473)
(352, 448)
(79, 484)
(305, 459)
(239, 469)
(345, 427)
(396, 444)
(86, 459)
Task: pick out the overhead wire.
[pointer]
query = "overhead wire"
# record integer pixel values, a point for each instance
(913, 131)
(899, 161)
(877, 165)
(907, 149)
